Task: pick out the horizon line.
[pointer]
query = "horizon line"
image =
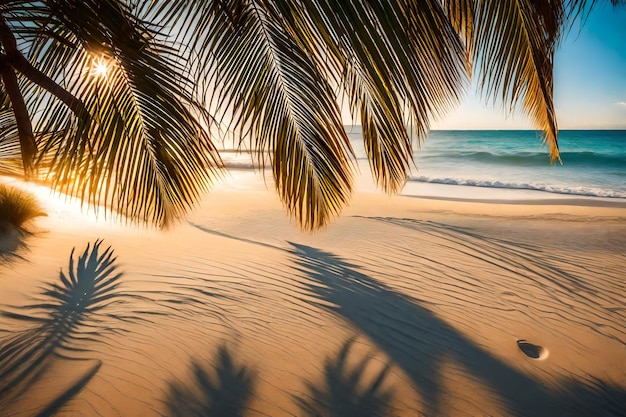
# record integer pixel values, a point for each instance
(517, 130)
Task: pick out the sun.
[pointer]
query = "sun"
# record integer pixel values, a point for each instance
(100, 67)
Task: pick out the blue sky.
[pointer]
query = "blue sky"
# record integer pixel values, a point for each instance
(590, 81)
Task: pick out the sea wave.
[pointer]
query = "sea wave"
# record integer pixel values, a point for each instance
(237, 159)
(586, 158)
(578, 191)
(239, 164)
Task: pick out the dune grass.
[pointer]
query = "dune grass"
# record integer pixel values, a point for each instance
(17, 207)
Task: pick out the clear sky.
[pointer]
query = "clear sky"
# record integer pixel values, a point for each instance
(590, 81)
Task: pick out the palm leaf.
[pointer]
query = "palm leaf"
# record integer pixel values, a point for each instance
(10, 156)
(9, 140)
(515, 43)
(283, 102)
(273, 65)
(142, 151)
(401, 64)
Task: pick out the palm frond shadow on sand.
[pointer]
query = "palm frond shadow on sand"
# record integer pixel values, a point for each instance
(509, 254)
(226, 392)
(68, 316)
(12, 243)
(419, 342)
(345, 391)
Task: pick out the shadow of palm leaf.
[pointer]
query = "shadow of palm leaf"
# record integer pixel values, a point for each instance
(606, 399)
(419, 342)
(224, 394)
(344, 393)
(68, 315)
(12, 242)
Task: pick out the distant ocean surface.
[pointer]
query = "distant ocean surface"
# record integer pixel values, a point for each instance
(491, 164)
(594, 161)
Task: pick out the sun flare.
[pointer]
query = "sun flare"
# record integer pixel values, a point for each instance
(100, 67)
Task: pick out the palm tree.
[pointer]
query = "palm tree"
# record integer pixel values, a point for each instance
(114, 100)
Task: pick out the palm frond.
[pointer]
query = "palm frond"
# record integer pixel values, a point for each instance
(10, 156)
(513, 44)
(273, 63)
(461, 15)
(515, 41)
(142, 151)
(281, 100)
(400, 64)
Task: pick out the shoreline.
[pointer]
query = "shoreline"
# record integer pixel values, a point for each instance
(575, 202)
(433, 198)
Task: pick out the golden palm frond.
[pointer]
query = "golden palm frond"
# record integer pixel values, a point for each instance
(279, 98)
(512, 44)
(401, 65)
(515, 43)
(138, 145)
(10, 155)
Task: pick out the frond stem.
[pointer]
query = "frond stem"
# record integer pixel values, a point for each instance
(15, 58)
(28, 146)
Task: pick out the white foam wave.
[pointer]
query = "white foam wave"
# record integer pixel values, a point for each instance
(580, 191)
(238, 160)
(236, 164)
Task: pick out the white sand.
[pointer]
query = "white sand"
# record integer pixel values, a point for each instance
(237, 312)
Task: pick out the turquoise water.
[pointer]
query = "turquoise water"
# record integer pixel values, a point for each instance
(594, 162)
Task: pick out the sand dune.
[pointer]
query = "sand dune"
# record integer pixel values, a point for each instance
(402, 307)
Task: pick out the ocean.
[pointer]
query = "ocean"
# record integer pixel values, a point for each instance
(594, 162)
(497, 164)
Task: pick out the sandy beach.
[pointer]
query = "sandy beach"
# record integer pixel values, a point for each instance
(403, 306)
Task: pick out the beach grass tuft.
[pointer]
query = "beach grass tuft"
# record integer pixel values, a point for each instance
(17, 207)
